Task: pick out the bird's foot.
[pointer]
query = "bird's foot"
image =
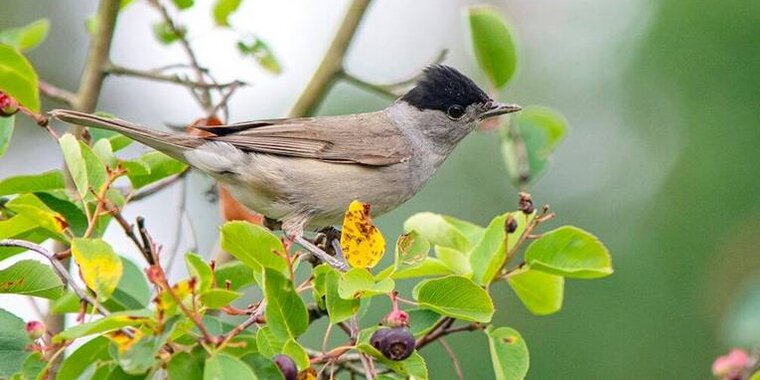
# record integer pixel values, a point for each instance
(320, 254)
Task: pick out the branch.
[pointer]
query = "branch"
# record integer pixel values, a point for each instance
(332, 63)
(156, 187)
(444, 328)
(158, 75)
(453, 357)
(59, 269)
(391, 90)
(205, 98)
(58, 94)
(93, 75)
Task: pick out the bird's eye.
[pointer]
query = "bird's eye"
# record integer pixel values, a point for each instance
(455, 112)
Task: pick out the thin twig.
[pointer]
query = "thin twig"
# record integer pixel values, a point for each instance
(444, 329)
(391, 90)
(62, 272)
(155, 187)
(157, 75)
(255, 317)
(129, 231)
(454, 358)
(56, 93)
(205, 98)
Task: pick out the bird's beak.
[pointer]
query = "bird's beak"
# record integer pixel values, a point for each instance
(499, 109)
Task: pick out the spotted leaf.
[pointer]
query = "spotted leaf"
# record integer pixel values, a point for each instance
(362, 243)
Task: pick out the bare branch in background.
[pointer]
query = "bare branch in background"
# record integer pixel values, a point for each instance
(58, 94)
(391, 90)
(205, 93)
(332, 63)
(159, 75)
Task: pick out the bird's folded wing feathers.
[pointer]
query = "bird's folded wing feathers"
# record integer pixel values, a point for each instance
(369, 139)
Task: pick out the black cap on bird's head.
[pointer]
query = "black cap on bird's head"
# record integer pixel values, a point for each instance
(444, 88)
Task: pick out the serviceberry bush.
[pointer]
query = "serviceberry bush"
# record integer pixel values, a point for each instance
(244, 319)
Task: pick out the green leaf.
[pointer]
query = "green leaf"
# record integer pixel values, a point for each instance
(338, 308)
(236, 273)
(359, 283)
(117, 140)
(32, 367)
(140, 357)
(96, 169)
(112, 322)
(413, 366)
(430, 267)
(458, 262)
(262, 53)
(255, 246)
(509, 353)
(488, 256)
(15, 226)
(152, 167)
(199, 269)
(493, 44)
(243, 344)
(18, 78)
(455, 296)
(442, 230)
(58, 202)
(185, 366)
(32, 278)
(226, 367)
(101, 268)
(411, 249)
(422, 321)
(539, 130)
(183, 4)
(13, 342)
(91, 352)
(285, 311)
(263, 367)
(52, 180)
(165, 34)
(6, 131)
(297, 353)
(72, 155)
(132, 291)
(540, 292)
(104, 152)
(33, 235)
(268, 343)
(26, 37)
(223, 9)
(217, 298)
(32, 208)
(571, 252)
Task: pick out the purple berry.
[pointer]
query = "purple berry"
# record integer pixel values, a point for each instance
(395, 343)
(287, 366)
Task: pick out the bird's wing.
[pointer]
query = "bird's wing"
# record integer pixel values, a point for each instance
(369, 139)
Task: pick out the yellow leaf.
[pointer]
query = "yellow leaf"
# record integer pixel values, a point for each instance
(362, 243)
(123, 341)
(100, 266)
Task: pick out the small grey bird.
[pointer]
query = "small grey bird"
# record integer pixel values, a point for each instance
(304, 172)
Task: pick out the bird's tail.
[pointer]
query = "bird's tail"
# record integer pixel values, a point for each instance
(172, 144)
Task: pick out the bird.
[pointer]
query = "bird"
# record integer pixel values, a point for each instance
(304, 172)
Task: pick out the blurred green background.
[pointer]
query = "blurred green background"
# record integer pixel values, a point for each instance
(661, 160)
